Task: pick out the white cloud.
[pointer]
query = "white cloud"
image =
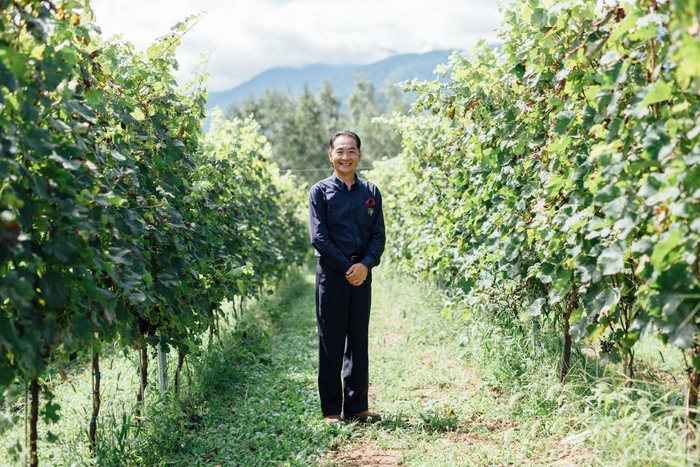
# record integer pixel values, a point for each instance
(248, 37)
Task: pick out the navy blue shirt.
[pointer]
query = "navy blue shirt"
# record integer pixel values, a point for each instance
(346, 222)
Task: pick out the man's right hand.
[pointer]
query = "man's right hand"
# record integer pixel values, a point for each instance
(357, 274)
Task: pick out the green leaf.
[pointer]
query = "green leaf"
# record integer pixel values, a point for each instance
(83, 327)
(7, 79)
(616, 207)
(659, 257)
(651, 190)
(683, 337)
(657, 142)
(51, 438)
(647, 27)
(15, 62)
(535, 308)
(611, 260)
(610, 58)
(564, 118)
(137, 297)
(627, 24)
(555, 183)
(54, 289)
(659, 92)
(49, 412)
(117, 155)
(109, 199)
(138, 114)
(147, 278)
(7, 376)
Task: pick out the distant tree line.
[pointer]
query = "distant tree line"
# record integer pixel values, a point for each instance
(299, 126)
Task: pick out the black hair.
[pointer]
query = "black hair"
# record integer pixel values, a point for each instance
(346, 133)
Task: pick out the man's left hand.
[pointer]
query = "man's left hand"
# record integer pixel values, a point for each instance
(357, 274)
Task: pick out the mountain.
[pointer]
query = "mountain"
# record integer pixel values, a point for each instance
(342, 78)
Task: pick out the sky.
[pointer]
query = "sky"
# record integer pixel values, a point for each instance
(243, 38)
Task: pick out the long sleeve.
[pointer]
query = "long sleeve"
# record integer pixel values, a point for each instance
(320, 235)
(375, 248)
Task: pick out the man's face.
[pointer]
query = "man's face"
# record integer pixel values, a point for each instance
(344, 155)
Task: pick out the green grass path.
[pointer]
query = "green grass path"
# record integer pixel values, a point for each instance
(249, 399)
(437, 411)
(256, 405)
(263, 409)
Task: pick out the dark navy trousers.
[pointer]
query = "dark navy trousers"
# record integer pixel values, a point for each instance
(342, 317)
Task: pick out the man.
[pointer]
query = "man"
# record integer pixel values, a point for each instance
(347, 231)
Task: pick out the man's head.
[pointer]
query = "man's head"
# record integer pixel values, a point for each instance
(346, 133)
(345, 154)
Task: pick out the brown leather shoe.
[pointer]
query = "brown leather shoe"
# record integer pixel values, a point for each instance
(331, 419)
(365, 416)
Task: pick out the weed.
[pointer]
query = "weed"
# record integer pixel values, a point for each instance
(440, 420)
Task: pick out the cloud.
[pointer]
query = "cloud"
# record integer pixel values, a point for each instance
(248, 37)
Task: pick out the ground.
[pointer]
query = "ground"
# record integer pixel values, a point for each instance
(451, 393)
(437, 409)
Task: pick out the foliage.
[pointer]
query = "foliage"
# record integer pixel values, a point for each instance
(569, 159)
(118, 221)
(53, 230)
(259, 213)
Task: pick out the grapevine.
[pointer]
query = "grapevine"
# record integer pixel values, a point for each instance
(119, 222)
(567, 159)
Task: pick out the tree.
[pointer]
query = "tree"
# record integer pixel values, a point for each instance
(330, 107)
(299, 127)
(379, 140)
(307, 145)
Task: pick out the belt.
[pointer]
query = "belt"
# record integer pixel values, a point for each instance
(353, 257)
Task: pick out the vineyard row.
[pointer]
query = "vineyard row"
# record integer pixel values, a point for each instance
(119, 220)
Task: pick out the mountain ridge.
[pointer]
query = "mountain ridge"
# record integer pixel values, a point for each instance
(342, 77)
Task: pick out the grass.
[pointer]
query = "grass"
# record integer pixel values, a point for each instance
(470, 392)
(252, 400)
(453, 392)
(249, 399)
(439, 411)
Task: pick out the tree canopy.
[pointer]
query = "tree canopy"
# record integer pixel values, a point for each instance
(299, 127)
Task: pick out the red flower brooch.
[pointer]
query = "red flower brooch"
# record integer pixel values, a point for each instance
(370, 203)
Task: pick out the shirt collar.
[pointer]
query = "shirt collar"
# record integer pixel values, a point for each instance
(341, 184)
